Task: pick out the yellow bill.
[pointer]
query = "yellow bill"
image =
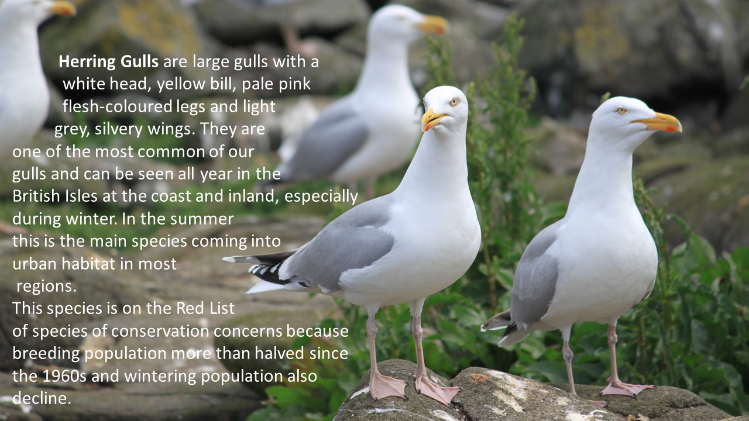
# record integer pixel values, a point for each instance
(63, 8)
(430, 119)
(664, 122)
(434, 25)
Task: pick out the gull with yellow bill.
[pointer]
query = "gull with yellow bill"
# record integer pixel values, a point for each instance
(24, 95)
(374, 129)
(600, 259)
(398, 248)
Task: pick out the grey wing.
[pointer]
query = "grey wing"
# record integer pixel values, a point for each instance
(336, 135)
(353, 241)
(535, 279)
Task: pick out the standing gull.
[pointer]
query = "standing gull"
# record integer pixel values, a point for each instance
(600, 259)
(397, 248)
(24, 95)
(374, 129)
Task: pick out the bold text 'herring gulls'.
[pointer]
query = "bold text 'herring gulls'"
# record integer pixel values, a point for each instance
(397, 248)
(24, 95)
(600, 259)
(374, 129)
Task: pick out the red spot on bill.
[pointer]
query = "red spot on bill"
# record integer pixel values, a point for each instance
(670, 129)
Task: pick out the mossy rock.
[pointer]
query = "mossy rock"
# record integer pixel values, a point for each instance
(713, 198)
(241, 23)
(271, 320)
(641, 49)
(115, 28)
(492, 395)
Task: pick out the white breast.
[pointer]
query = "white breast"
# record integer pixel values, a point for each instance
(604, 268)
(432, 250)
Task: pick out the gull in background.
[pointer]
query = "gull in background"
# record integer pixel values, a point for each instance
(398, 248)
(600, 259)
(374, 129)
(24, 95)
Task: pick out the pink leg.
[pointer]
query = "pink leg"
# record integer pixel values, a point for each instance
(423, 384)
(567, 354)
(380, 386)
(616, 387)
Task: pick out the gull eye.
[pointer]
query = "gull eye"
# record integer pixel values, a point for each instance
(425, 104)
(454, 102)
(621, 110)
(401, 18)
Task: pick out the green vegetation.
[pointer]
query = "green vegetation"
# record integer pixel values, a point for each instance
(690, 333)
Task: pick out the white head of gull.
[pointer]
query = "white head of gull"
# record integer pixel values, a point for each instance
(374, 129)
(398, 248)
(600, 259)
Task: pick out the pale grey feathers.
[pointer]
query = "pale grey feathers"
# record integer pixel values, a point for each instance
(535, 279)
(334, 137)
(353, 241)
(534, 286)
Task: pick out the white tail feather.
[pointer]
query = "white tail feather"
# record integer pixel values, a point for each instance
(264, 286)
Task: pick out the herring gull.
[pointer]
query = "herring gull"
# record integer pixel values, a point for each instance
(374, 129)
(401, 247)
(600, 259)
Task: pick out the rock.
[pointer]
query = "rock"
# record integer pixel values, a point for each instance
(580, 49)
(735, 113)
(721, 214)
(144, 401)
(494, 395)
(559, 149)
(740, 14)
(13, 171)
(276, 319)
(661, 403)
(733, 143)
(489, 395)
(359, 405)
(242, 23)
(112, 29)
(92, 287)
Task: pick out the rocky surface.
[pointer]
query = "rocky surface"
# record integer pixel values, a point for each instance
(493, 395)
(202, 277)
(637, 48)
(112, 29)
(241, 22)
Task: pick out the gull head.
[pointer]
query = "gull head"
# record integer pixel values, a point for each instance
(628, 122)
(401, 24)
(447, 110)
(33, 11)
